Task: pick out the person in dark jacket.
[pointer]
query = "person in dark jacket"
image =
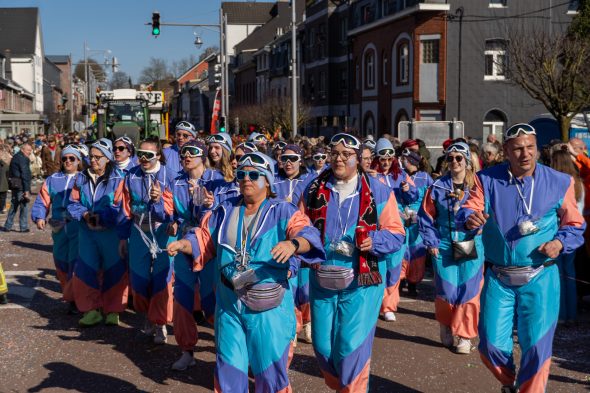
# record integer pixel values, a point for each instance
(4, 163)
(19, 175)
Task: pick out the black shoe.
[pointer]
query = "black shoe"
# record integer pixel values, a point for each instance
(3, 299)
(72, 309)
(3, 229)
(25, 231)
(412, 292)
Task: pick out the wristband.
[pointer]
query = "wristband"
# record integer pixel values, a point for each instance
(296, 244)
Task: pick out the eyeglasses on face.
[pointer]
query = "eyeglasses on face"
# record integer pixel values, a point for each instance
(92, 157)
(252, 175)
(345, 155)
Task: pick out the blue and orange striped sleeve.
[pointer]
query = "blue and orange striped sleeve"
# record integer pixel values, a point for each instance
(40, 209)
(427, 221)
(571, 222)
(202, 243)
(300, 226)
(391, 235)
(475, 203)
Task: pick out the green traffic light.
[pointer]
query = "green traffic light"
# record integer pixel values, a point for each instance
(156, 31)
(222, 129)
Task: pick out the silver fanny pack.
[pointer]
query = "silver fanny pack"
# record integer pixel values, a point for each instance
(517, 276)
(333, 277)
(262, 297)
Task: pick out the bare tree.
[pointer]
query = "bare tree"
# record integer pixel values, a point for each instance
(93, 66)
(273, 113)
(119, 80)
(178, 67)
(552, 68)
(156, 73)
(207, 51)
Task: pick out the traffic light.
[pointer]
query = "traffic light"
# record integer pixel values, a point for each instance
(217, 74)
(156, 24)
(222, 124)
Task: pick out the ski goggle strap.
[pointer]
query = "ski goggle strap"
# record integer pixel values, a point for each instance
(517, 129)
(191, 151)
(349, 141)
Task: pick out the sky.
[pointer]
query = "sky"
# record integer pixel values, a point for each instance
(119, 26)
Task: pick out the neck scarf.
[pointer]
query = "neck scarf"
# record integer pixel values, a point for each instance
(319, 197)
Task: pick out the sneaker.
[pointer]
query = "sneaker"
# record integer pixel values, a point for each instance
(90, 318)
(4, 229)
(463, 346)
(160, 334)
(25, 230)
(3, 299)
(112, 319)
(389, 316)
(306, 333)
(446, 337)
(186, 360)
(412, 292)
(295, 342)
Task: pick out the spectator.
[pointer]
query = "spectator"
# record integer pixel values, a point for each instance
(50, 157)
(490, 155)
(4, 165)
(19, 175)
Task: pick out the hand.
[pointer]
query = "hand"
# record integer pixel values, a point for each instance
(174, 248)
(571, 150)
(41, 224)
(156, 192)
(367, 244)
(172, 229)
(283, 251)
(208, 198)
(476, 220)
(433, 251)
(27, 194)
(123, 248)
(551, 249)
(405, 187)
(371, 172)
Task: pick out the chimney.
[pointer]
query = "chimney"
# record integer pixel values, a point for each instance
(8, 66)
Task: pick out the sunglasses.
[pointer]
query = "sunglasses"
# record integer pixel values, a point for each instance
(517, 129)
(320, 157)
(456, 158)
(95, 158)
(387, 153)
(253, 159)
(252, 175)
(292, 158)
(120, 148)
(146, 155)
(69, 159)
(183, 135)
(349, 141)
(191, 151)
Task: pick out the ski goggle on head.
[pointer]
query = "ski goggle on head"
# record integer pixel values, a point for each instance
(254, 160)
(349, 141)
(280, 145)
(146, 155)
(386, 153)
(186, 126)
(191, 151)
(124, 139)
(460, 147)
(517, 129)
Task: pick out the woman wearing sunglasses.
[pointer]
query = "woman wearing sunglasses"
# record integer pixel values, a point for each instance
(183, 132)
(252, 239)
(192, 199)
(390, 173)
(146, 211)
(319, 160)
(232, 189)
(100, 275)
(124, 153)
(54, 196)
(360, 227)
(457, 282)
(220, 150)
(413, 265)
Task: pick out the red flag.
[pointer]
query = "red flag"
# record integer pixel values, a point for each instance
(215, 114)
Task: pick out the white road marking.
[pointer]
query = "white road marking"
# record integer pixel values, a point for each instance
(20, 294)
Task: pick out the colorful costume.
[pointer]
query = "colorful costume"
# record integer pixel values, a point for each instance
(344, 320)
(98, 253)
(544, 205)
(457, 283)
(55, 195)
(244, 337)
(145, 224)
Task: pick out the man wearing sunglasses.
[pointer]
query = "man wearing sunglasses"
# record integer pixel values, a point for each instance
(252, 240)
(183, 132)
(360, 227)
(529, 217)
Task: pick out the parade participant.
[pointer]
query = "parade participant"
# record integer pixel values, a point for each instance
(319, 160)
(277, 150)
(367, 159)
(83, 149)
(389, 172)
(458, 278)
(191, 200)
(359, 222)
(220, 150)
(183, 132)
(124, 154)
(371, 144)
(100, 275)
(232, 189)
(259, 140)
(293, 178)
(252, 239)
(147, 208)
(413, 265)
(531, 218)
(54, 196)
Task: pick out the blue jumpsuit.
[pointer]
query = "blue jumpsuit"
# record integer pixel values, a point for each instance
(246, 338)
(55, 195)
(533, 306)
(343, 322)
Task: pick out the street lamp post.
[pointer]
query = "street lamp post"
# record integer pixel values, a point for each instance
(86, 73)
(293, 68)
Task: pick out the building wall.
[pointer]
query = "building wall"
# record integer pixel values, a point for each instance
(236, 34)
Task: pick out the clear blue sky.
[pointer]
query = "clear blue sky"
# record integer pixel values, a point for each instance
(119, 25)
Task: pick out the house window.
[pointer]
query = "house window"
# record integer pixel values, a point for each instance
(369, 69)
(496, 60)
(403, 64)
(498, 3)
(384, 69)
(573, 7)
(430, 51)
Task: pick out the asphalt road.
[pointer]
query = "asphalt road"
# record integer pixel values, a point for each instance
(43, 350)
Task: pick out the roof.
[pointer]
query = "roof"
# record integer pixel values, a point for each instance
(268, 32)
(58, 59)
(247, 13)
(18, 30)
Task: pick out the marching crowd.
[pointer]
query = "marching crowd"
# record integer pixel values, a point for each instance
(314, 238)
